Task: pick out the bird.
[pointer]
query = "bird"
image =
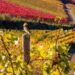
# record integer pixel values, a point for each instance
(25, 28)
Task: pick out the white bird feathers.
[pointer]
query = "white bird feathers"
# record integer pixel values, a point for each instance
(25, 28)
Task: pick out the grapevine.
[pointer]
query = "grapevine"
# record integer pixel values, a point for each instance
(45, 58)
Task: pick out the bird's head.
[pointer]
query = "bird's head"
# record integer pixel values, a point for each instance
(25, 25)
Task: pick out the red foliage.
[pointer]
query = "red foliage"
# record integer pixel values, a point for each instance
(17, 10)
(64, 20)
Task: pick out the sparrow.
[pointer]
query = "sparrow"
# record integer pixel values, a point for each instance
(25, 28)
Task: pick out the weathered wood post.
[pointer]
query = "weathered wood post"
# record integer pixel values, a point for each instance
(26, 45)
(72, 51)
(71, 72)
(69, 13)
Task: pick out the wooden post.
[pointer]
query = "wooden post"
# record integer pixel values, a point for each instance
(71, 72)
(69, 13)
(26, 47)
(73, 58)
